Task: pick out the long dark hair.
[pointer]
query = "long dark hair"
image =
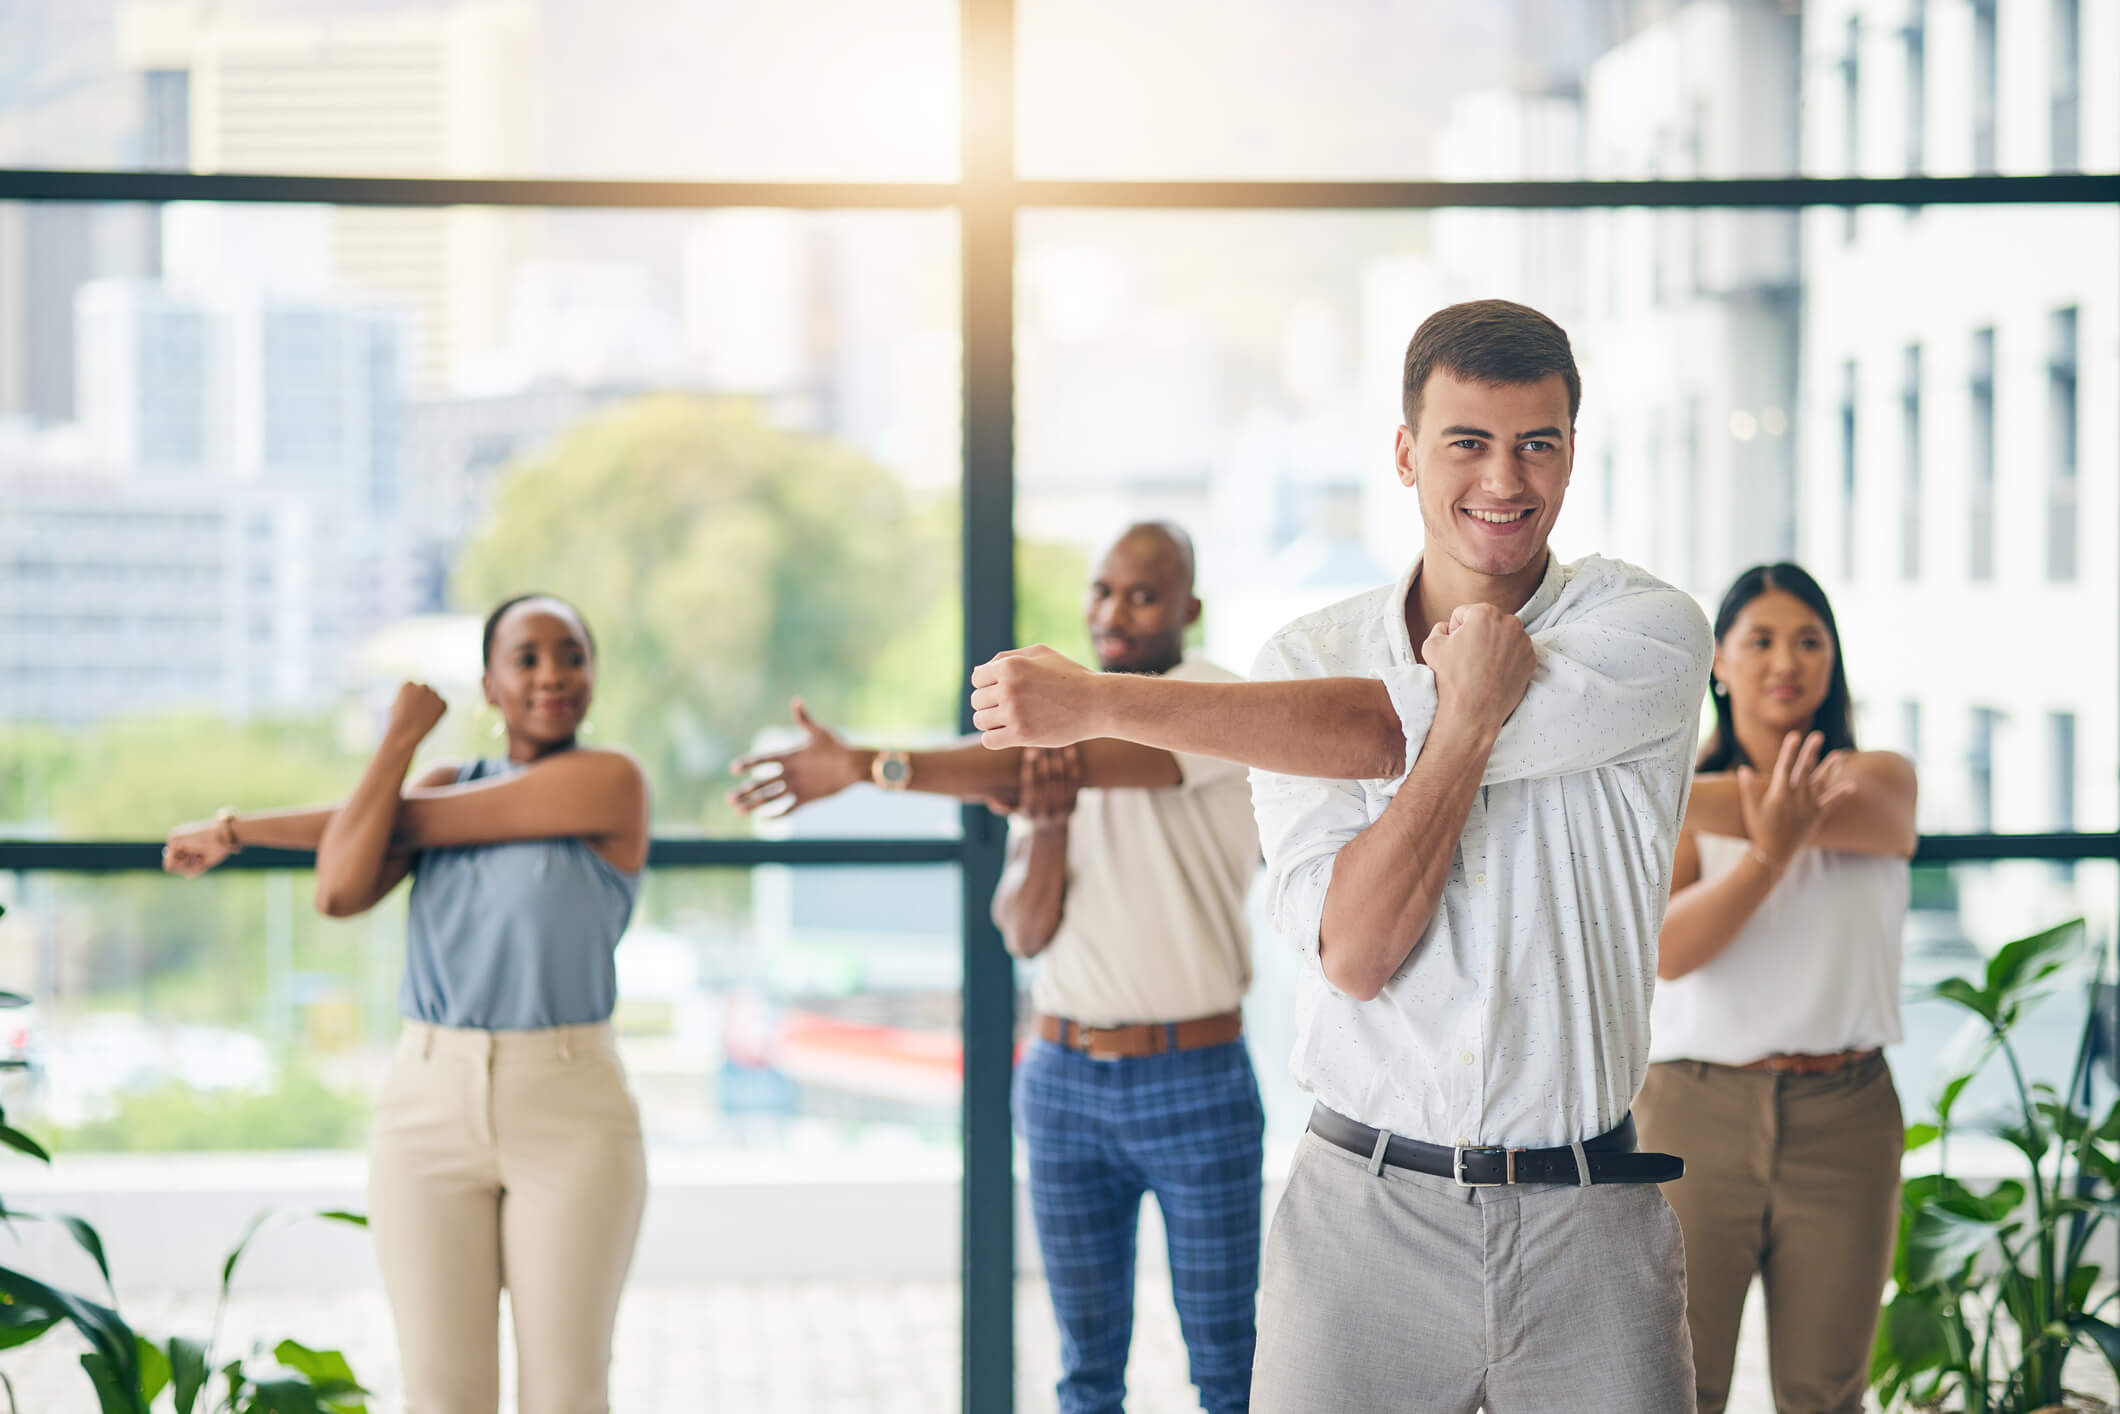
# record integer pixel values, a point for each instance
(1835, 718)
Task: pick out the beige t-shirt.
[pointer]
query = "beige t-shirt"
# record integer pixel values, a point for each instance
(1153, 927)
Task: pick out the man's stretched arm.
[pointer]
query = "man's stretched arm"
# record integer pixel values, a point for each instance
(825, 764)
(1341, 728)
(1611, 686)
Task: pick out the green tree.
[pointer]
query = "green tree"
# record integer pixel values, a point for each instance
(918, 681)
(724, 564)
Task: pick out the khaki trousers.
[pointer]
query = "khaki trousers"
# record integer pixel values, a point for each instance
(505, 1159)
(1793, 1178)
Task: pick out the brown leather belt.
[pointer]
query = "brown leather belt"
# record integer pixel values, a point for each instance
(1831, 1064)
(1146, 1039)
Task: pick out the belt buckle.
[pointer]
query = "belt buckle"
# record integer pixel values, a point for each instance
(1090, 1038)
(1457, 1165)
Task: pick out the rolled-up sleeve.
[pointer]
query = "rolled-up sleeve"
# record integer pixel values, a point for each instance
(1304, 821)
(1611, 687)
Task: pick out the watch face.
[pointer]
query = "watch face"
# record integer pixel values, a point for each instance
(894, 770)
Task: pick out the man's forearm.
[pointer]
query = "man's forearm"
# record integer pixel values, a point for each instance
(1388, 880)
(1337, 728)
(974, 772)
(1033, 890)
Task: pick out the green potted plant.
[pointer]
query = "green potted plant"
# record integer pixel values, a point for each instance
(130, 1372)
(1992, 1290)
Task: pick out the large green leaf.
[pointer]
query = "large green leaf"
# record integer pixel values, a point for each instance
(22, 1144)
(187, 1366)
(1965, 994)
(24, 1317)
(154, 1369)
(90, 1241)
(2104, 1336)
(2080, 1284)
(293, 1395)
(1942, 1243)
(113, 1395)
(105, 1330)
(328, 1371)
(1995, 1205)
(2015, 974)
(1920, 1136)
(2033, 1143)
(1912, 1335)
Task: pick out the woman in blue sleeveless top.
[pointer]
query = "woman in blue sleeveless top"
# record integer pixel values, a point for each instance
(506, 1146)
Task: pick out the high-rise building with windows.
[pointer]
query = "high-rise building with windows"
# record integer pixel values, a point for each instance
(403, 92)
(305, 394)
(1957, 485)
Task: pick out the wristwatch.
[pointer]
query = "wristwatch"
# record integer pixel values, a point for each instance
(893, 770)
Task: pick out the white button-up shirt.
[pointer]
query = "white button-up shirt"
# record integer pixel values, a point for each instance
(1522, 1015)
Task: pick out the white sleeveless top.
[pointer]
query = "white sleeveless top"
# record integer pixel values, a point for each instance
(1814, 970)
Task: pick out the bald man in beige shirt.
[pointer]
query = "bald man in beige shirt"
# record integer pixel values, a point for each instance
(1126, 878)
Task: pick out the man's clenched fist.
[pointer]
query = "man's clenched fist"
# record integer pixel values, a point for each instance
(1033, 697)
(1483, 661)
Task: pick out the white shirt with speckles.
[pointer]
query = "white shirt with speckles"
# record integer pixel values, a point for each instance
(1521, 1017)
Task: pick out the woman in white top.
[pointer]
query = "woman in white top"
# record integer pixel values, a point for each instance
(1778, 969)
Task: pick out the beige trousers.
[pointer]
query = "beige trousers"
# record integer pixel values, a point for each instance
(1390, 1292)
(505, 1159)
(1795, 1179)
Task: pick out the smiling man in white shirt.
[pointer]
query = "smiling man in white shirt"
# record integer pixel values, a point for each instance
(1470, 843)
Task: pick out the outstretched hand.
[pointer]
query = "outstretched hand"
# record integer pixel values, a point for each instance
(1782, 811)
(823, 765)
(197, 847)
(1033, 697)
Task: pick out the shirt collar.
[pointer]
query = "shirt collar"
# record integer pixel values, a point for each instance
(1542, 599)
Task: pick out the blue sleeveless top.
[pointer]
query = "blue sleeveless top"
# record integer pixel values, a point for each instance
(514, 937)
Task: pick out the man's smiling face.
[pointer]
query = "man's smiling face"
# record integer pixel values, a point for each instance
(1490, 463)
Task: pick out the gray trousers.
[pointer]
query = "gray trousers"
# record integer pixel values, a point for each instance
(1390, 1292)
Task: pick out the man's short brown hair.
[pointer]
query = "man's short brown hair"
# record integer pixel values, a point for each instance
(1489, 341)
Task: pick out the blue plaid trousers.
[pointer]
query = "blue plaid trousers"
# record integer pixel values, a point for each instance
(1186, 1126)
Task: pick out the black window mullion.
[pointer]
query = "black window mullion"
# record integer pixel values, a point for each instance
(987, 218)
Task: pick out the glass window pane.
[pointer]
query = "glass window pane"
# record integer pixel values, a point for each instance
(1962, 915)
(1542, 89)
(261, 463)
(202, 1050)
(761, 1010)
(822, 89)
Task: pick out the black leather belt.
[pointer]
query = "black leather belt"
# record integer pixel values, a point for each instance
(1609, 1158)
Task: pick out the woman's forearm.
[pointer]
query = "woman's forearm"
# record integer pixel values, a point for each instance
(1877, 817)
(357, 838)
(1704, 918)
(299, 828)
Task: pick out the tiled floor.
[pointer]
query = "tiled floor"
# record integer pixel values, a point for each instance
(817, 1347)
